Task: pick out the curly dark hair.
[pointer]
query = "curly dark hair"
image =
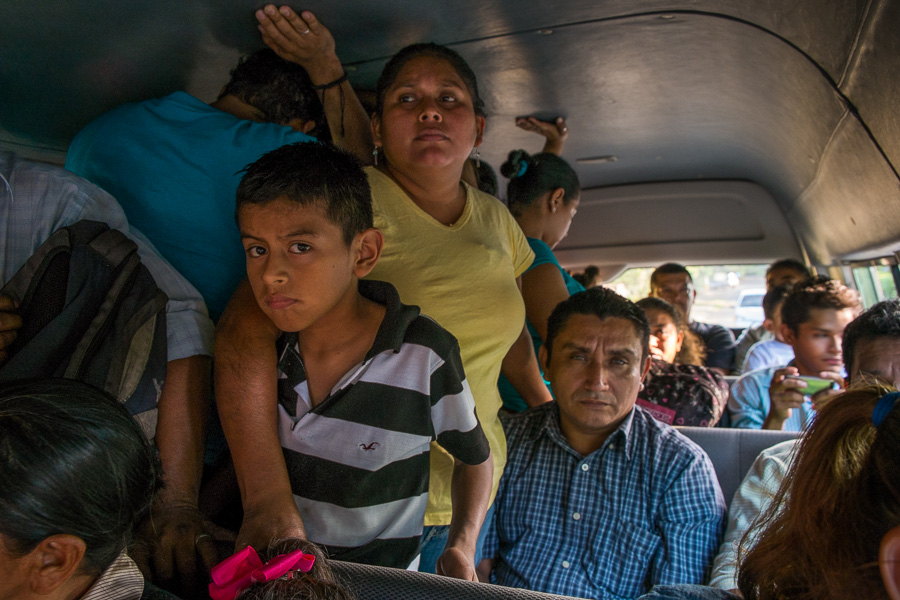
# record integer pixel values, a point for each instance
(816, 292)
(280, 90)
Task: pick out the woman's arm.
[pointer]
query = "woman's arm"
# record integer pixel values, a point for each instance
(542, 288)
(520, 365)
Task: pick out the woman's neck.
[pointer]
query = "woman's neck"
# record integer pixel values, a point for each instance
(439, 192)
(532, 225)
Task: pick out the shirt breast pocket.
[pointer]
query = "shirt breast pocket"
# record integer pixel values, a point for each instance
(621, 559)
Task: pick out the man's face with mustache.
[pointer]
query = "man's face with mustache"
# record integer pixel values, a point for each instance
(596, 369)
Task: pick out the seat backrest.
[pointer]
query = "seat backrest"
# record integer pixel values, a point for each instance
(733, 450)
(380, 583)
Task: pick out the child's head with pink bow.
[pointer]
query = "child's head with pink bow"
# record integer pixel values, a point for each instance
(291, 569)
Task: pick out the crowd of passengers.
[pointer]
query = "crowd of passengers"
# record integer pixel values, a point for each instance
(363, 318)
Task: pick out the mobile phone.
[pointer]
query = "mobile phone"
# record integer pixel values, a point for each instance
(814, 385)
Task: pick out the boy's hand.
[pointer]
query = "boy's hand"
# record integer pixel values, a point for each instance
(10, 323)
(457, 564)
(655, 350)
(785, 394)
(825, 396)
(262, 525)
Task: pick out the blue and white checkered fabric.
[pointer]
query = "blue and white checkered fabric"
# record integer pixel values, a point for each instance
(644, 509)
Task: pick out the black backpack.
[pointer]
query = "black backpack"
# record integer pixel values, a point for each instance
(91, 311)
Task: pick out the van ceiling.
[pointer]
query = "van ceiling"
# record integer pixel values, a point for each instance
(800, 98)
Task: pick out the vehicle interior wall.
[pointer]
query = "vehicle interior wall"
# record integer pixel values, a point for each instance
(796, 99)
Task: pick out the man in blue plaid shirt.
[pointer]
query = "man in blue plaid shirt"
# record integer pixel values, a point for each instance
(599, 499)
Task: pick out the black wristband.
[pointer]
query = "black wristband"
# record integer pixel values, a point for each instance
(336, 82)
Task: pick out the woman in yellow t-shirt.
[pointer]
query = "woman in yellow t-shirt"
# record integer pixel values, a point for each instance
(450, 249)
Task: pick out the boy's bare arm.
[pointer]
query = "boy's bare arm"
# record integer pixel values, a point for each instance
(175, 529)
(245, 383)
(470, 493)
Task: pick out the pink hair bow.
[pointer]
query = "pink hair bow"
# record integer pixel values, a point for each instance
(244, 568)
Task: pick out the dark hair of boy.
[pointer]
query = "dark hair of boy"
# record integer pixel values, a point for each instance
(279, 89)
(816, 292)
(774, 298)
(602, 303)
(669, 268)
(880, 320)
(311, 173)
(73, 462)
(788, 263)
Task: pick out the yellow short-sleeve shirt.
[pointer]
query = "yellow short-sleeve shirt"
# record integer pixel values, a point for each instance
(463, 276)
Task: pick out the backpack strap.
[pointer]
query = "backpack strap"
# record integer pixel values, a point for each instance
(121, 253)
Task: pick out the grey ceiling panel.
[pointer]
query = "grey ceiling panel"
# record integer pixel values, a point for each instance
(675, 90)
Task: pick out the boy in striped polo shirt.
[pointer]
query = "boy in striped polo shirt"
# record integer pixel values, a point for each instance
(365, 383)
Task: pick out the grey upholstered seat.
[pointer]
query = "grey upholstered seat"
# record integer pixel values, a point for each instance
(380, 583)
(733, 450)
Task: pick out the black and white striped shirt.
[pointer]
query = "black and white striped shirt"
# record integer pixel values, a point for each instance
(359, 461)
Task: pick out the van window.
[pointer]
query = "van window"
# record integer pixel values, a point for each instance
(876, 282)
(727, 295)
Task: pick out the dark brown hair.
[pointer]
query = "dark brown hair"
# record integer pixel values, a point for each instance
(319, 583)
(398, 61)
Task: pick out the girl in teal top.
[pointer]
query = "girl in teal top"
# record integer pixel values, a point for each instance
(543, 196)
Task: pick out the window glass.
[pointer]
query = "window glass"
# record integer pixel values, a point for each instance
(728, 295)
(875, 283)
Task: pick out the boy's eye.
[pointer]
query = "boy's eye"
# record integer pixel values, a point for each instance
(255, 251)
(406, 98)
(448, 98)
(299, 248)
(578, 357)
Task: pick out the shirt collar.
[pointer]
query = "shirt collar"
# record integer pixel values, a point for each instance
(550, 426)
(121, 580)
(397, 317)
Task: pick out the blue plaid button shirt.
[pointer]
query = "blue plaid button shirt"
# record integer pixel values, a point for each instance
(644, 509)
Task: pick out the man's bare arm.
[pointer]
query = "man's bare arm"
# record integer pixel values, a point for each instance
(302, 39)
(175, 531)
